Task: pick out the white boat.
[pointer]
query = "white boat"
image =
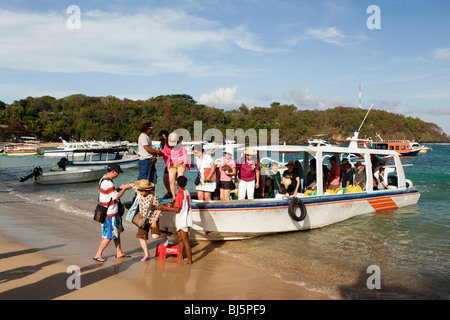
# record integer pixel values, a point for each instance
(63, 177)
(100, 158)
(69, 147)
(20, 149)
(315, 141)
(241, 219)
(417, 146)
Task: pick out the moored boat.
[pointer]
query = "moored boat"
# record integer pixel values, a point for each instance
(240, 219)
(100, 158)
(65, 177)
(20, 149)
(403, 147)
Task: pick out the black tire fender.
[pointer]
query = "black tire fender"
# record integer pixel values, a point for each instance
(291, 210)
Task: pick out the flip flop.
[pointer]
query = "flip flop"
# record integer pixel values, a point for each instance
(124, 256)
(145, 258)
(101, 260)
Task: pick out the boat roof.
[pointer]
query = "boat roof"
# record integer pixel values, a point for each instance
(99, 150)
(324, 149)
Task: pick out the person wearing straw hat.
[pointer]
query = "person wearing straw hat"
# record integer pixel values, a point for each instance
(227, 171)
(248, 174)
(149, 207)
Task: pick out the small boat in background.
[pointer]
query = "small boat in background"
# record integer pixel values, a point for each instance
(20, 149)
(100, 158)
(403, 147)
(61, 176)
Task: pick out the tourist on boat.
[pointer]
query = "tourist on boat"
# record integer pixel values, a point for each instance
(206, 181)
(176, 159)
(311, 183)
(298, 167)
(147, 155)
(360, 176)
(335, 174)
(149, 207)
(275, 177)
(227, 171)
(382, 184)
(292, 174)
(347, 177)
(108, 197)
(248, 174)
(163, 135)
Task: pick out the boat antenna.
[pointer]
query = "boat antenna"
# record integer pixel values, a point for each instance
(365, 117)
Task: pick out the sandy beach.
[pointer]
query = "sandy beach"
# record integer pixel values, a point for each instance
(38, 244)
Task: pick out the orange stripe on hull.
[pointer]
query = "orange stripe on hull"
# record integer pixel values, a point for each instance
(385, 203)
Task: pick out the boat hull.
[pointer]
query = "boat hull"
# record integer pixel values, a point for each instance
(64, 177)
(242, 219)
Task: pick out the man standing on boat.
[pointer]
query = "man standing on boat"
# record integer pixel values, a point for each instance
(147, 155)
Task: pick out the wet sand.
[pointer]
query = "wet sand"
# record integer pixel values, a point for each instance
(38, 243)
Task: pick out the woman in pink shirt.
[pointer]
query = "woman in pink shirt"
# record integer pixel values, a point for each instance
(227, 170)
(335, 174)
(248, 174)
(176, 158)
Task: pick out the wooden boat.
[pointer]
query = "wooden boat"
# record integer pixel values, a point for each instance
(100, 158)
(241, 219)
(20, 149)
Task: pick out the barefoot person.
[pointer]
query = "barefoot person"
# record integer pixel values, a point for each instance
(183, 218)
(112, 227)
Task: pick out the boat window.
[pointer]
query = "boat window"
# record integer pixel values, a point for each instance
(403, 147)
(396, 148)
(391, 148)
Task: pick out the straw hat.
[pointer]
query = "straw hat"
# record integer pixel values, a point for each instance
(144, 185)
(249, 150)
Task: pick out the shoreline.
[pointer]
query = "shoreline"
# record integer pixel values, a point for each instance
(39, 243)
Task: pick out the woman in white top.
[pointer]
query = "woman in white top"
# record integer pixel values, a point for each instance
(206, 169)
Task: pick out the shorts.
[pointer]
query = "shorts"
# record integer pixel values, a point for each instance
(177, 168)
(227, 185)
(185, 229)
(112, 227)
(142, 233)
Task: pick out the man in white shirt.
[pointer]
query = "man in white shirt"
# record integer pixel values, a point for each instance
(147, 155)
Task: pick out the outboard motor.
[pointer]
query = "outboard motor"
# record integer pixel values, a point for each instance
(36, 172)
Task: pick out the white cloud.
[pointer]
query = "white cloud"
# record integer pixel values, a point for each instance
(225, 98)
(331, 35)
(303, 99)
(161, 41)
(442, 54)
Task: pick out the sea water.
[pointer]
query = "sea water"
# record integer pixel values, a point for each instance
(410, 246)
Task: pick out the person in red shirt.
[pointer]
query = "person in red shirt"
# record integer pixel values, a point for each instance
(183, 218)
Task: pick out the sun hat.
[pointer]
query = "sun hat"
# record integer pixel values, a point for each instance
(229, 150)
(114, 167)
(173, 139)
(144, 184)
(250, 151)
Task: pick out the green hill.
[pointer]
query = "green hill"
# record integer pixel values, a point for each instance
(81, 117)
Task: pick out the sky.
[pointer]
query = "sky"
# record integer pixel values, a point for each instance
(313, 54)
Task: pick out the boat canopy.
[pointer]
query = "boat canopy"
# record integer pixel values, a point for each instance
(321, 153)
